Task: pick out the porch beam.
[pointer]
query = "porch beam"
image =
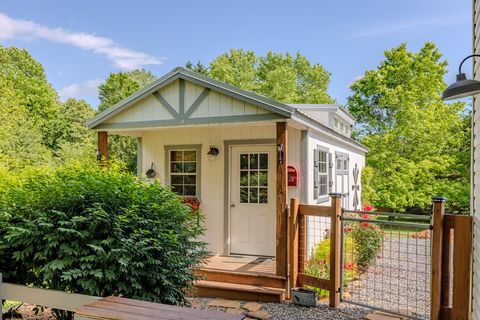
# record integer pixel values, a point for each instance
(102, 146)
(282, 196)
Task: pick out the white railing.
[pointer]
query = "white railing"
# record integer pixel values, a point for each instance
(48, 298)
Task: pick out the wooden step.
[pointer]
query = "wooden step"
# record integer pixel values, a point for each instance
(245, 292)
(265, 280)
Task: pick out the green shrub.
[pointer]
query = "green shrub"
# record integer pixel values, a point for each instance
(97, 231)
(319, 263)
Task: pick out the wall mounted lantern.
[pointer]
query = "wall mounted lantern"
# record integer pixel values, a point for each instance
(213, 152)
(462, 87)
(151, 172)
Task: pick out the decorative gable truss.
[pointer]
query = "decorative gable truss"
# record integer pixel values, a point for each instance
(182, 102)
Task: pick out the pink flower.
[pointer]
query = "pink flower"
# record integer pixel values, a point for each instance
(368, 207)
(364, 225)
(365, 216)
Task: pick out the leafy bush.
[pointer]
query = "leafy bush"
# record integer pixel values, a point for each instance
(368, 242)
(319, 263)
(97, 231)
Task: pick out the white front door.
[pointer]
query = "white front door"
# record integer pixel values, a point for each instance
(252, 200)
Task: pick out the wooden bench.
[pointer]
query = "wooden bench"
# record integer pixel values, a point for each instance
(115, 308)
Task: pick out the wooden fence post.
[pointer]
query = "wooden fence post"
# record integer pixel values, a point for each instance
(1, 296)
(462, 270)
(294, 206)
(335, 248)
(437, 250)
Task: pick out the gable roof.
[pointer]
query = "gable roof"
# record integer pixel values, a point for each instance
(278, 109)
(182, 73)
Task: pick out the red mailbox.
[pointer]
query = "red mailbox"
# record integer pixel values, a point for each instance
(292, 176)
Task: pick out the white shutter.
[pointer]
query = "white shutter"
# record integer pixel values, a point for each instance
(316, 159)
(330, 173)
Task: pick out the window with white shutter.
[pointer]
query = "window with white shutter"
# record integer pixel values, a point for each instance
(322, 182)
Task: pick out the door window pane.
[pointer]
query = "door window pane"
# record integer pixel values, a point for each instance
(263, 161)
(243, 195)
(263, 195)
(253, 161)
(254, 174)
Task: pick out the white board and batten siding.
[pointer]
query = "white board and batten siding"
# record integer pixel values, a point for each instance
(214, 105)
(319, 227)
(212, 193)
(476, 167)
(206, 117)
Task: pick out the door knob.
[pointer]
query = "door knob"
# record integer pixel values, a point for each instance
(232, 205)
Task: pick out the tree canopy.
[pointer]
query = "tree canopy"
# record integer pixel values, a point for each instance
(120, 85)
(285, 78)
(36, 127)
(116, 87)
(418, 144)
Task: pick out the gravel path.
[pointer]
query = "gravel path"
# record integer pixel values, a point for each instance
(288, 311)
(400, 279)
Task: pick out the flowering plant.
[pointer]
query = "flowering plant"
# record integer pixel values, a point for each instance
(192, 202)
(368, 239)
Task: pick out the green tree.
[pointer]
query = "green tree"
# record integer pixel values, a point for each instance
(117, 87)
(21, 142)
(25, 79)
(285, 78)
(198, 67)
(417, 142)
(75, 140)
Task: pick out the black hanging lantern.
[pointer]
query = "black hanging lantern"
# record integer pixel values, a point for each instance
(213, 152)
(463, 87)
(151, 172)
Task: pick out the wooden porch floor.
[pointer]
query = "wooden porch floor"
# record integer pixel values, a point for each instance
(241, 264)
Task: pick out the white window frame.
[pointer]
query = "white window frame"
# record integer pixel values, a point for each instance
(168, 173)
(324, 197)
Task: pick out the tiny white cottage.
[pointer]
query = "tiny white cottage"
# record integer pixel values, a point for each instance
(241, 154)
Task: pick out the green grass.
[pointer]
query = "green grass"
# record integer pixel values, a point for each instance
(10, 304)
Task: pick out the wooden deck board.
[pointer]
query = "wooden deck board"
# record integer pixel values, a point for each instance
(244, 264)
(115, 308)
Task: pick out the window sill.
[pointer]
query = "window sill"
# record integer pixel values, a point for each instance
(322, 199)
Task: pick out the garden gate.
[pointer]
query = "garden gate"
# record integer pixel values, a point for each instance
(386, 262)
(415, 266)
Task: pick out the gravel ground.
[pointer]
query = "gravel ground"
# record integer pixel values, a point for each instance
(400, 279)
(287, 311)
(27, 312)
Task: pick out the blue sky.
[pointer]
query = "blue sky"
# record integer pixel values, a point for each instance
(81, 42)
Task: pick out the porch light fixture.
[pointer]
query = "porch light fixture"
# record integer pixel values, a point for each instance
(213, 152)
(462, 87)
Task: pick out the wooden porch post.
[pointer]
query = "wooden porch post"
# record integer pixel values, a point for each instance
(335, 249)
(102, 144)
(437, 241)
(282, 196)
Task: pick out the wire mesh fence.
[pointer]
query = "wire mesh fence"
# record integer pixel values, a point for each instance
(318, 247)
(386, 262)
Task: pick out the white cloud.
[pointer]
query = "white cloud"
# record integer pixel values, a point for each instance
(122, 57)
(87, 90)
(398, 26)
